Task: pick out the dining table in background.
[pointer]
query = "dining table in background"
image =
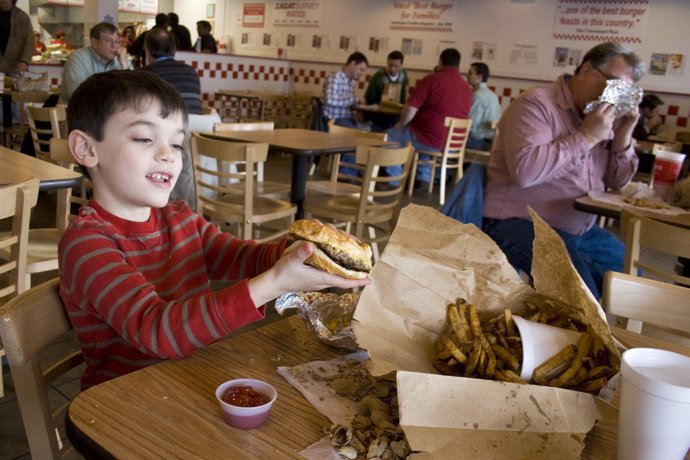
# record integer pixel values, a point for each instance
(607, 209)
(300, 144)
(169, 410)
(16, 167)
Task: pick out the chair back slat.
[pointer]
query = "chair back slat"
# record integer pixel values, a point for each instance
(640, 233)
(227, 194)
(651, 302)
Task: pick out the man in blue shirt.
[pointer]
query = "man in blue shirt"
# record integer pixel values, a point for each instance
(485, 108)
(339, 91)
(105, 53)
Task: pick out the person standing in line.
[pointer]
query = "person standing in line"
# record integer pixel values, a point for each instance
(136, 49)
(485, 108)
(443, 93)
(339, 91)
(105, 53)
(16, 38)
(548, 152)
(183, 38)
(391, 80)
(205, 43)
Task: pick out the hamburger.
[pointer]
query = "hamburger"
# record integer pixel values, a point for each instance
(335, 251)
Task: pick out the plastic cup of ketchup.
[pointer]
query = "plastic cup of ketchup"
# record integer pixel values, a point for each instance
(246, 403)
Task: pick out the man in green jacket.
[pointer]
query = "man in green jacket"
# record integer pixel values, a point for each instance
(389, 83)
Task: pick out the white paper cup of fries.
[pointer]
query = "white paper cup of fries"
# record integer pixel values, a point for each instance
(540, 342)
(654, 418)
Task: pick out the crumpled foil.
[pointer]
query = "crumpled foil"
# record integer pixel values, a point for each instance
(326, 313)
(624, 96)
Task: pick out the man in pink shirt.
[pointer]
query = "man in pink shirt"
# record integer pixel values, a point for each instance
(444, 93)
(548, 152)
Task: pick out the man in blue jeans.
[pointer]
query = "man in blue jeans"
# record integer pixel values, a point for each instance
(443, 93)
(549, 152)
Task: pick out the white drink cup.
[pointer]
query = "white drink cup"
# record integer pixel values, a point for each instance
(654, 418)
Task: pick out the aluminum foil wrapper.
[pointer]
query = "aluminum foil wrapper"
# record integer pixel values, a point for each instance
(624, 96)
(326, 313)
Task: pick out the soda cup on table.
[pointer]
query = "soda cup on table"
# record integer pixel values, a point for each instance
(654, 417)
(667, 166)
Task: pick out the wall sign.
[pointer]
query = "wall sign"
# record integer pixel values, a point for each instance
(423, 16)
(297, 14)
(601, 20)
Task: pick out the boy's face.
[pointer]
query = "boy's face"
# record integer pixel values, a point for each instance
(137, 162)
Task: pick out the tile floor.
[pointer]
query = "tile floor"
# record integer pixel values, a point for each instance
(13, 444)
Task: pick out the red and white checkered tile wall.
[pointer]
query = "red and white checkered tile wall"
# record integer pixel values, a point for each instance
(282, 76)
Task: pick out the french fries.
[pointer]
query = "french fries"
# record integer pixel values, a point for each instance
(492, 349)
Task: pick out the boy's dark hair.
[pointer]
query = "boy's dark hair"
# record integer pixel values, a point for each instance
(160, 43)
(482, 69)
(357, 57)
(651, 101)
(103, 94)
(101, 27)
(396, 56)
(173, 19)
(450, 57)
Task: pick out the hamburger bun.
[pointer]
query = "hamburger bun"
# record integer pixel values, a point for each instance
(335, 251)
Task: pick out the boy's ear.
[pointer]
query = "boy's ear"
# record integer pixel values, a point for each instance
(81, 147)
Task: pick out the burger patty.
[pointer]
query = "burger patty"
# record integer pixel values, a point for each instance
(344, 259)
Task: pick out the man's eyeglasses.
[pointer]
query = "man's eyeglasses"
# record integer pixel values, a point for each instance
(110, 41)
(608, 77)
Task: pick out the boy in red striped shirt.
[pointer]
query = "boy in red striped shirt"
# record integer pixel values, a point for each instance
(134, 268)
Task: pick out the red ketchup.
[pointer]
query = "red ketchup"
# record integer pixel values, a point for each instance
(245, 396)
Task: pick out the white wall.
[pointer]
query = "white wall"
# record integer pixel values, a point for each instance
(500, 22)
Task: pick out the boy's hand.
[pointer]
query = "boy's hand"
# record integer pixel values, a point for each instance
(290, 273)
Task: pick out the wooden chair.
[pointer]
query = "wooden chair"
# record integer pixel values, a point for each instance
(299, 108)
(641, 233)
(28, 324)
(377, 205)
(274, 109)
(481, 156)
(42, 249)
(46, 123)
(651, 302)
(450, 158)
(269, 189)
(23, 99)
(16, 202)
(254, 216)
(342, 183)
(184, 187)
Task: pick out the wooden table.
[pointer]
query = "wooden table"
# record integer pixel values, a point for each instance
(169, 410)
(17, 167)
(587, 204)
(300, 144)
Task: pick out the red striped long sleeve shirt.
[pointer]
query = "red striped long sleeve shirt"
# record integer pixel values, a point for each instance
(139, 292)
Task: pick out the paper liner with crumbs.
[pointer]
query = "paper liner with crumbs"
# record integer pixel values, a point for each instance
(431, 260)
